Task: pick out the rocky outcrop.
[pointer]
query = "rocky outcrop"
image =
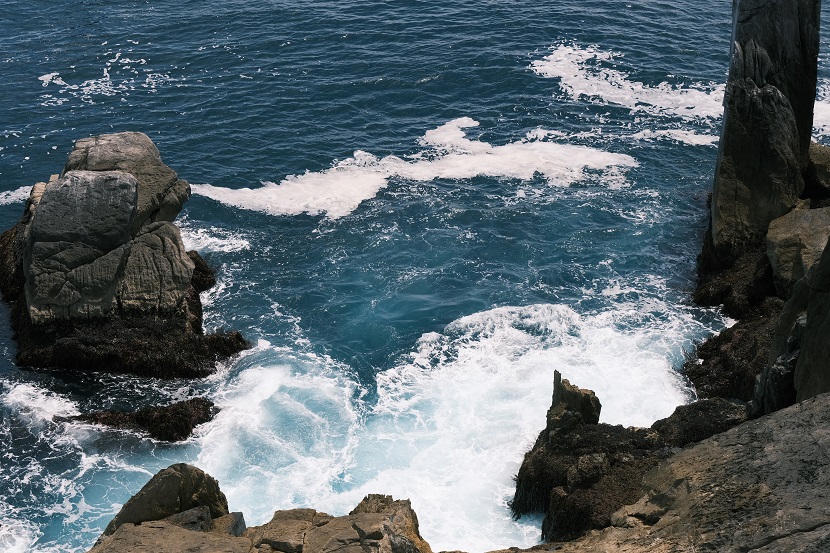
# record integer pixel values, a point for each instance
(174, 490)
(580, 471)
(170, 423)
(768, 119)
(182, 509)
(727, 364)
(761, 486)
(97, 274)
(763, 237)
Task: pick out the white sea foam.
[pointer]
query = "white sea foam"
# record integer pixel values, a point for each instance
(14, 196)
(451, 420)
(35, 405)
(212, 239)
(449, 154)
(821, 111)
(678, 135)
(589, 73)
(282, 435)
(16, 535)
(119, 76)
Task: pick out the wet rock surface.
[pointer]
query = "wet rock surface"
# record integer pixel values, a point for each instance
(170, 423)
(578, 473)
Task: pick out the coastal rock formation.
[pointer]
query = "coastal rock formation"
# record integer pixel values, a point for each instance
(182, 509)
(794, 242)
(170, 423)
(171, 491)
(761, 486)
(97, 274)
(768, 119)
(580, 471)
(763, 237)
(812, 370)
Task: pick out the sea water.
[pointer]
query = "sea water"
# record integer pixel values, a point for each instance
(417, 210)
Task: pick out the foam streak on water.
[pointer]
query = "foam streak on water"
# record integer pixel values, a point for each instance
(339, 190)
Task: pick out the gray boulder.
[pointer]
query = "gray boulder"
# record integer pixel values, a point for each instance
(161, 194)
(81, 260)
(794, 243)
(768, 116)
(172, 491)
(97, 275)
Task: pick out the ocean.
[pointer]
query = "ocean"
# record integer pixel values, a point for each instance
(418, 211)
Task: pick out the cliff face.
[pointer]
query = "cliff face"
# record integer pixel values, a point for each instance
(97, 274)
(767, 124)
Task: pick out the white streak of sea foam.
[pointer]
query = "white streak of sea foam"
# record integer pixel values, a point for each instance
(339, 190)
(678, 135)
(14, 196)
(212, 239)
(821, 110)
(36, 405)
(584, 73)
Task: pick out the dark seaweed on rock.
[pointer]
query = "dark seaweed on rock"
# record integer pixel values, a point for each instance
(170, 423)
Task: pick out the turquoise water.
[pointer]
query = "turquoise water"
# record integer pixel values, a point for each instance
(418, 211)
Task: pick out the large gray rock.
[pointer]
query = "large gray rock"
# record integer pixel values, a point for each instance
(768, 116)
(81, 260)
(794, 243)
(161, 193)
(97, 275)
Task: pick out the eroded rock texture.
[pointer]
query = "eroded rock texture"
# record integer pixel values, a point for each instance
(96, 272)
(580, 471)
(768, 119)
(182, 509)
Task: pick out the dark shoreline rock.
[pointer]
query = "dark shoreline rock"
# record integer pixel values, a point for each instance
(169, 423)
(96, 274)
(581, 471)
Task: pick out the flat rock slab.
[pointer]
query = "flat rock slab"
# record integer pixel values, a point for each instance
(165, 537)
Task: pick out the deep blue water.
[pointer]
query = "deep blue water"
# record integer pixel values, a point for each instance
(418, 211)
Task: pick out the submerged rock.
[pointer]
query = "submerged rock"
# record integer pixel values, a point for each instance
(97, 274)
(170, 423)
